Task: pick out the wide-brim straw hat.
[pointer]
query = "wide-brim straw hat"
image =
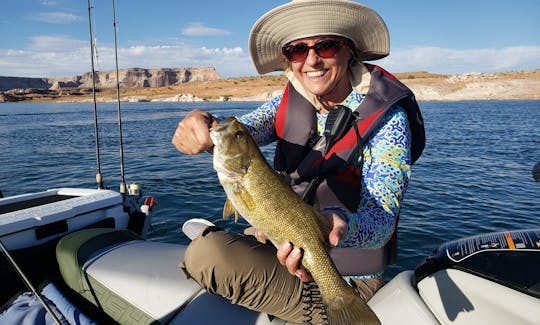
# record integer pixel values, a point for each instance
(306, 18)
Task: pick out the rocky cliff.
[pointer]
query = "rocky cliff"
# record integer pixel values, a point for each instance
(7, 83)
(512, 85)
(129, 78)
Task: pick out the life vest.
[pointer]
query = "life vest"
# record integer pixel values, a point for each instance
(335, 172)
(296, 125)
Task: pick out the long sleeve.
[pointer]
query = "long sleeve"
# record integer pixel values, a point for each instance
(386, 174)
(261, 122)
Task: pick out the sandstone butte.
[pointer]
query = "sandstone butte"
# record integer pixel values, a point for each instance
(514, 85)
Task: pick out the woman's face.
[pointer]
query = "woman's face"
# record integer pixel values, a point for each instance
(328, 77)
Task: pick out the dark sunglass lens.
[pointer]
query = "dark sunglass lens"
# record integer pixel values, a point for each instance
(299, 52)
(296, 52)
(286, 50)
(324, 49)
(328, 48)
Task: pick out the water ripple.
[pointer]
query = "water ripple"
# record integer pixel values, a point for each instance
(474, 176)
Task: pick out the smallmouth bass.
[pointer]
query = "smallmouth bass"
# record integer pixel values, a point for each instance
(256, 192)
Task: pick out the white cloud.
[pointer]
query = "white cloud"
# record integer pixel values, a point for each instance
(227, 61)
(56, 43)
(56, 17)
(451, 61)
(60, 56)
(29, 63)
(199, 29)
(45, 56)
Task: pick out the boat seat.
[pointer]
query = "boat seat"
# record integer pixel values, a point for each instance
(103, 265)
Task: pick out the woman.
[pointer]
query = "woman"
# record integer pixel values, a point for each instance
(358, 181)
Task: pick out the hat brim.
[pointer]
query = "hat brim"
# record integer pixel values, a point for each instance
(299, 19)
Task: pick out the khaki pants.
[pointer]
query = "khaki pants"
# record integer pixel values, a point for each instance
(247, 273)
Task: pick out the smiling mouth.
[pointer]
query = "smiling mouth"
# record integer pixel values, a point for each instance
(318, 73)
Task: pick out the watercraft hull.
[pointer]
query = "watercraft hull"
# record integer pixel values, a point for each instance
(80, 240)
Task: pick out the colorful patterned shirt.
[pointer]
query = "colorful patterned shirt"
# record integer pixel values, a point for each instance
(386, 169)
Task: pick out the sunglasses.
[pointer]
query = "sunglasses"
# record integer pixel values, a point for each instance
(325, 49)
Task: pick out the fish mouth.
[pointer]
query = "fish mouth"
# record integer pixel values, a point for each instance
(228, 162)
(214, 136)
(218, 129)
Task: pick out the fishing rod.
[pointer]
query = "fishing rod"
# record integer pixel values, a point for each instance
(28, 284)
(99, 178)
(123, 181)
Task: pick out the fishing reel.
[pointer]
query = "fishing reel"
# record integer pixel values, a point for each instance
(139, 209)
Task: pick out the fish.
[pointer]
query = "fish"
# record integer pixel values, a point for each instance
(261, 196)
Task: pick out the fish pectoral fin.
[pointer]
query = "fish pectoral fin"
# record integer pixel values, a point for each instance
(244, 199)
(228, 210)
(247, 200)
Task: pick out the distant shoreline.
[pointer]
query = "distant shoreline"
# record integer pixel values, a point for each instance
(515, 85)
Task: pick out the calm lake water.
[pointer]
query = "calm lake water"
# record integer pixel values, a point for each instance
(474, 176)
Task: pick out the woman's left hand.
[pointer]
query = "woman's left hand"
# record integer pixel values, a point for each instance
(291, 256)
(338, 226)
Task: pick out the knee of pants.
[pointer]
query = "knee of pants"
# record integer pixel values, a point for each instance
(206, 251)
(213, 258)
(227, 257)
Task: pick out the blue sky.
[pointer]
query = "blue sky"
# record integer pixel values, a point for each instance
(50, 38)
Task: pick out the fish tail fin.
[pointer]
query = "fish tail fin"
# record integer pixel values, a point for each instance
(350, 310)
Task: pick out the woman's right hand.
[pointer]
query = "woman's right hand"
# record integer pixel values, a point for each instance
(192, 136)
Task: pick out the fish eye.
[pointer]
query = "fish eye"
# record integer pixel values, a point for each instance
(239, 134)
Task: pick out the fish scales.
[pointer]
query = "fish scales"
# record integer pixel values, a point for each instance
(256, 192)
